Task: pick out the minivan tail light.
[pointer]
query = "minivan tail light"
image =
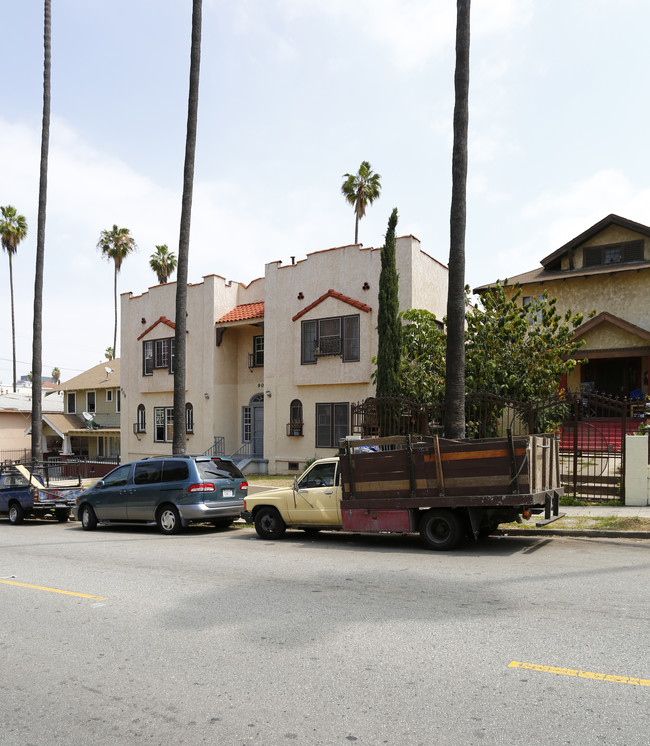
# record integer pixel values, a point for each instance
(201, 487)
(244, 486)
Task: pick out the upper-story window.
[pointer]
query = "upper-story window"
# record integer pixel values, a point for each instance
(91, 401)
(71, 402)
(256, 358)
(534, 316)
(157, 353)
(141, 425)
(614, 253)
(337, 335)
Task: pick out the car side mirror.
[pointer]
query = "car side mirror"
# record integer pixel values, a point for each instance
(99, 485)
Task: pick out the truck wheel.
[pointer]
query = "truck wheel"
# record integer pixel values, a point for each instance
(88, 518)
(269, 524)
(16, 513)
(168, 520)
(440, 529)
(61, 515)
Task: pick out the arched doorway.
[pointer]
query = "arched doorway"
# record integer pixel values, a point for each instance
(254, 425)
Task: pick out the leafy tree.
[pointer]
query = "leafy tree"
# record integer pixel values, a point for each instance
(115, 245)
(422, 364)
(519, 352)
(455, 377)
(13, 229)
(511, 351)
(180, 433)
(37, 325)
(56, 376)
(109, 353)
(163, 262)
(359, 190)
(389, 326)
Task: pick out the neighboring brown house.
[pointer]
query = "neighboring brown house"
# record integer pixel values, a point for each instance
(605, 269)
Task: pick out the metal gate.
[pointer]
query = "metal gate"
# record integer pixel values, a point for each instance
(592, 447)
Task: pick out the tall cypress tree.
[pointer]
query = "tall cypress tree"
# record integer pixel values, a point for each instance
(389, 326)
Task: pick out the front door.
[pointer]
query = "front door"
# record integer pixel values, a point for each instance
(257, 426)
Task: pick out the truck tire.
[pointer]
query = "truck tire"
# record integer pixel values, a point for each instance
(269, 524)
(168, 520)
(88, 518)
(62, 515)
(441, 529)
(16, 513)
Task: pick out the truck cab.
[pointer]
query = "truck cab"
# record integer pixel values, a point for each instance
(312, 503)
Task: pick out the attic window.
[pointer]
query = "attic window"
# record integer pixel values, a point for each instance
(615, 253)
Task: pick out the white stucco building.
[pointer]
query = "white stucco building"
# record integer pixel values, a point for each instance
(272, 367)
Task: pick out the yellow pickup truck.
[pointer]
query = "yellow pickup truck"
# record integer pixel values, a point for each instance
(443, 489)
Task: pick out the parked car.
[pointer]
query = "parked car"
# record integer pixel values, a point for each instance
(171, 491)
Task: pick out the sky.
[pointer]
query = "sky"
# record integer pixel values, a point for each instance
(293, 95)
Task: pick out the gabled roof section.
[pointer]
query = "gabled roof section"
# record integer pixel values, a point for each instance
(606, 317)
(244, 312)
(591, 232)
(96, 377)
(161, 320)
(338, 296)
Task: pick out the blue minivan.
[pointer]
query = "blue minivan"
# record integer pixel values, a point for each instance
(170, 491)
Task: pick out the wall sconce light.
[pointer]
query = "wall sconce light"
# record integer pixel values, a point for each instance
(268, 393)
(206, 395)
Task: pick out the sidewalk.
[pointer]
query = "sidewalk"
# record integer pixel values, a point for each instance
(589, 511)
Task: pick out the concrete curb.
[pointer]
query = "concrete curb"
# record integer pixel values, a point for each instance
(588, 532)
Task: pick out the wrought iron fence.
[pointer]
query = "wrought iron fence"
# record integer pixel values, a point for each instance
(591, 428)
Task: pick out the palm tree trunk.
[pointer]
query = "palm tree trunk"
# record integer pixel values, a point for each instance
(13, 321)
(455, 363)
(180, 434)
(37, 341)
(356, 228)
(115, 308)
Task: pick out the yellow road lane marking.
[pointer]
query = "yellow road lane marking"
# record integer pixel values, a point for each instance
(54, 590)
(580, 674)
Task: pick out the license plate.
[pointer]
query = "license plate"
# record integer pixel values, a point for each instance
(228, 493)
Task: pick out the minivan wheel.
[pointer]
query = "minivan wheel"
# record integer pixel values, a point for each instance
(88, 518)
(168, 520)
(269, 524)
(16, 513)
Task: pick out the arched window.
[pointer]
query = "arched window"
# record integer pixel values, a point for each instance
(295, 418)
(189, 418)
(142, 419)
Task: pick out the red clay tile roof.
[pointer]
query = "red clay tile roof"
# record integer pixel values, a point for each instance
(245, 312)
(333, 294)
(161, 320)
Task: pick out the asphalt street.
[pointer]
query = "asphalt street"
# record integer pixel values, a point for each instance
(124, 635)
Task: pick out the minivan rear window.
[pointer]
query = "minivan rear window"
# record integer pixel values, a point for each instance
(218, 469)
(175, 471)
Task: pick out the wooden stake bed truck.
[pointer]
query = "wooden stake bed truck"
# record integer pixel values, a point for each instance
(445, 489)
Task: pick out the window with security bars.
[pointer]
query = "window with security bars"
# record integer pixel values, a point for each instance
(337, 335)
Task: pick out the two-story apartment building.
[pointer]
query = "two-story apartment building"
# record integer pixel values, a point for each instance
(272, 367)
(605, 269)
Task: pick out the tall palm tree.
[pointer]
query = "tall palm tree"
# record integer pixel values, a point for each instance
(180, 430)
(37, 325)
(13, 229)
(115, 245)
(163, 262)
(455, 364)
(359, 190)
